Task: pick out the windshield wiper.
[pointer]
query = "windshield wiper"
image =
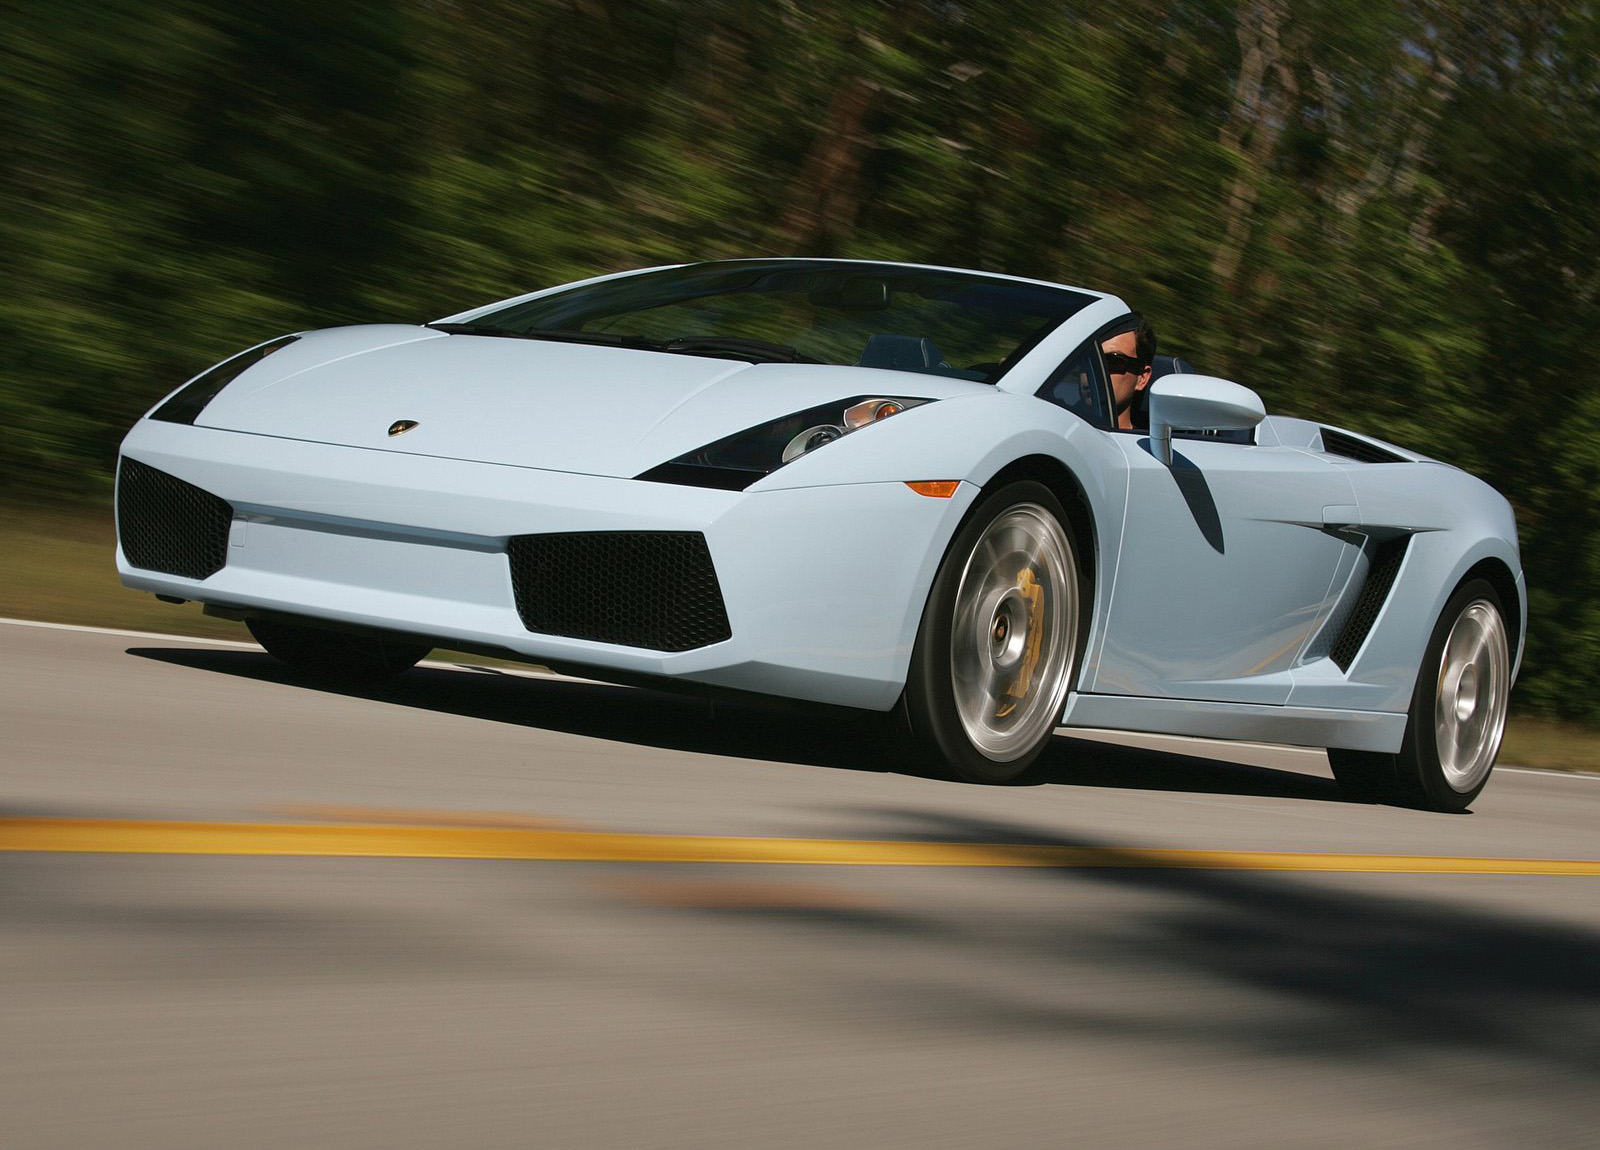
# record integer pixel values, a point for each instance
(754, 350)
(605, 338)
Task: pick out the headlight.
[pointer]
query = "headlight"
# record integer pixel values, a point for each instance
(736, 462)
(187, 403)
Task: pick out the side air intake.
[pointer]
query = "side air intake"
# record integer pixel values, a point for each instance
(167, 525)
(651, 589)
(1370, 600)
(1338, 443)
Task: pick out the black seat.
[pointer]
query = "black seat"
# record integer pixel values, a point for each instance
(1159, 365)
(901, 353)
(1168, 365)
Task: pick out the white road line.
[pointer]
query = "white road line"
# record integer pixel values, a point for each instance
(121, 633)
(128, 634)
(1095, 733)
(1575, 774)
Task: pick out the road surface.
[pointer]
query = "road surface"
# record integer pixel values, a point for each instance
(476, 909)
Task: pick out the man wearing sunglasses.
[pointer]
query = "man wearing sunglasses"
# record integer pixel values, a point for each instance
(1129, 355)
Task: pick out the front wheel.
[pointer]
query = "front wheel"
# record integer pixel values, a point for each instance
(998, 645)
(1457, 717)
(335, 654)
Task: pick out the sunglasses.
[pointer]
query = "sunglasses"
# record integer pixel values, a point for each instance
(1117, 363)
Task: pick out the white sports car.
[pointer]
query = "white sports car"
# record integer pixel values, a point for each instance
(875, 485)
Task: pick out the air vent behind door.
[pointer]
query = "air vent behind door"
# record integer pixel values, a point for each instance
(1338, 443)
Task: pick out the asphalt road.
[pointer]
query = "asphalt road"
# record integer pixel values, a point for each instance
(1179, 944)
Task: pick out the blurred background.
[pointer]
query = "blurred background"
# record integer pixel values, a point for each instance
(1378, 212)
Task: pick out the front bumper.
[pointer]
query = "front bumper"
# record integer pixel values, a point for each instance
(823, 586)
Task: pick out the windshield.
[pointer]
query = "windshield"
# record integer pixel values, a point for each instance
(954, 324)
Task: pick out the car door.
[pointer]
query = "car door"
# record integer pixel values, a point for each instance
(1229, 563)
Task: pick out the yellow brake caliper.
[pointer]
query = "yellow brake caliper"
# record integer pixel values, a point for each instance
(1030, 589)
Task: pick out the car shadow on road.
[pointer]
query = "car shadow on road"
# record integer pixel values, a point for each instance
(744, 727)
(1354, 970)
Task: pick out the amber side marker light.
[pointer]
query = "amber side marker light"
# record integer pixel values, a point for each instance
(934, 488)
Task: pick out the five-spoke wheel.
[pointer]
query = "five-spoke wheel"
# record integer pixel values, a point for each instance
(1457, 717)
(998, 645)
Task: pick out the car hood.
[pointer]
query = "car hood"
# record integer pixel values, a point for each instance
(530, 403)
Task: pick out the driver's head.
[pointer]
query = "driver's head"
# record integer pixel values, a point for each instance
(1129, 352)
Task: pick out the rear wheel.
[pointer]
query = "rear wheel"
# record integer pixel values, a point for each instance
(335, 654)
(1457, 717)
(998, 644)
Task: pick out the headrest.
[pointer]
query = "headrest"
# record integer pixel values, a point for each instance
(1169, 365)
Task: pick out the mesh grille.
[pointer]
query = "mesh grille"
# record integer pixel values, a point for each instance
(168, 525)
(653, 589)
(1374, 593)
(1337, 443)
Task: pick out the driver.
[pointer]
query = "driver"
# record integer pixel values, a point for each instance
(1129, 353)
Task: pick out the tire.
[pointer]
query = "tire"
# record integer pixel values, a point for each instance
(335, 654)
(998, 646)
(1457, 716)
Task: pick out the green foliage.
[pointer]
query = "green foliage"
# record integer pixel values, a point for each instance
(1379, 213)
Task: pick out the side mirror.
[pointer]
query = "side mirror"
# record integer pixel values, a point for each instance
(1198, 403)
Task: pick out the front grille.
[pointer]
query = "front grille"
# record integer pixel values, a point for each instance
(1374, 593)
(168, 525)
(653, 589)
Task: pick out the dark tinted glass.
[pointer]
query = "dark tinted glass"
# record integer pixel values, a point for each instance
(1077, 386)
(876, 315)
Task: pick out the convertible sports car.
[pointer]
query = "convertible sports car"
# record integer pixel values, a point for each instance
(882, 486)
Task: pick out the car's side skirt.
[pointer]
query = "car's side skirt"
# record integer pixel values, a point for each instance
(1247, 722)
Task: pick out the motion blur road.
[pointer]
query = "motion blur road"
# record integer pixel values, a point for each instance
(208, 937)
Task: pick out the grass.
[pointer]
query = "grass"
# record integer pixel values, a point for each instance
(1552, 745)
(56, 565)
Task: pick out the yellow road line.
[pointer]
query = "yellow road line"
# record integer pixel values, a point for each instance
(400, 816)
(129, 836)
